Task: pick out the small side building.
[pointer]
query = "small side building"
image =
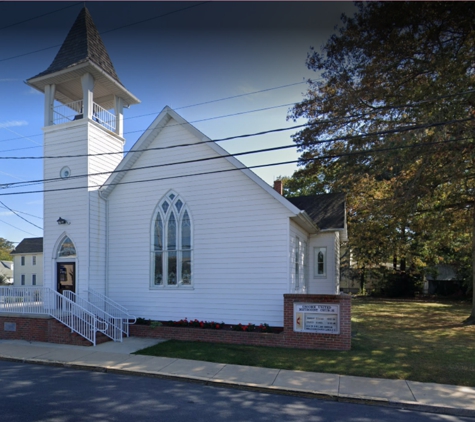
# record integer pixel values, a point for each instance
(28, 262)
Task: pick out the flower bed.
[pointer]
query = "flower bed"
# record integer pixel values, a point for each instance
(211, 325)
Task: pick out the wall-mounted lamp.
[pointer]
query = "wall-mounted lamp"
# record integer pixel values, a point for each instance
(61, 221)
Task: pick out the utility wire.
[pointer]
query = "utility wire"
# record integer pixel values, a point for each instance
(192, 105)
(266, 132)
(18, 215)
(22, 212)
(247, 112)
(39, 16)
(321, 157)
(385, 132)
(11, 225)
(110, 30)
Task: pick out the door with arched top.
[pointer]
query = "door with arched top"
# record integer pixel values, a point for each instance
(66, 266)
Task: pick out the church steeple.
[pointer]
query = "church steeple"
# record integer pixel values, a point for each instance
(82, 44)
(82, 75)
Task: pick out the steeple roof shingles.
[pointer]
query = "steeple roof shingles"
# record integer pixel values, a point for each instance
(83, 43)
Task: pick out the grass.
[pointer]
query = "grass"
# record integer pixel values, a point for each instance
(414, 340)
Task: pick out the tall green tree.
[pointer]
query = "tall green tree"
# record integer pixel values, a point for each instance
(5, 248)
(391, 122)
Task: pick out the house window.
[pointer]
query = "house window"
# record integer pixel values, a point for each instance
(33, 279)
(33, 260)
(320, 262)
(22, 279)
(172, 243)
(22, 260)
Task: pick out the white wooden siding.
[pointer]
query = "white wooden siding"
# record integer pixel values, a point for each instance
(240, 232)
(297, 233)
(328, 284)
(84, 210)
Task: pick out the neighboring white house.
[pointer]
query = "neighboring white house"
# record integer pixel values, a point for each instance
(28, 262)
(177, 228)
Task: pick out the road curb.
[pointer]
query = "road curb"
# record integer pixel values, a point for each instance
(342, 398)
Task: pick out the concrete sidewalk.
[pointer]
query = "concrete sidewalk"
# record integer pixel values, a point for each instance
(117, 357)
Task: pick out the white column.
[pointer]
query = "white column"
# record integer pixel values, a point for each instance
(49, 104)
(119, 115)
(87, 82)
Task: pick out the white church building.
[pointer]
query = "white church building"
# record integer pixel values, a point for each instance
(177, 227)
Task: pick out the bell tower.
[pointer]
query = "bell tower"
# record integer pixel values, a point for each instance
(83, 144)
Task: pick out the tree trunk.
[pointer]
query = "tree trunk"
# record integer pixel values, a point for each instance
(471, 319)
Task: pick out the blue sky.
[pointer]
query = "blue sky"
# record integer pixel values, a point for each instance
(192, 55)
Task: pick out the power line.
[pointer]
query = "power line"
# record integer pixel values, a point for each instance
(11, 225)
(266, 132)
(110, 30)
(39, 16)
(192, 105)
(346, 138)
(22, 212)
(322, 157)
(18, 215)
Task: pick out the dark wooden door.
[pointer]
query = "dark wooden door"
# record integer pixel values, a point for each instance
(66, 276)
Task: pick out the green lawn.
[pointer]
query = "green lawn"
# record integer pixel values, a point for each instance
(419, 341)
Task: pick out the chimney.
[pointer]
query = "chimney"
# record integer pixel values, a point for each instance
(278, 186)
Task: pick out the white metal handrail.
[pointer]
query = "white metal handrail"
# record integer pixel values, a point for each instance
(112, 308)
(114, 324)
(46, 301)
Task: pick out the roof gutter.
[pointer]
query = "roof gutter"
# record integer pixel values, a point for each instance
(304, 221)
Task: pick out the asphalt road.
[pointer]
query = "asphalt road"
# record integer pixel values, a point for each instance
(56, 394)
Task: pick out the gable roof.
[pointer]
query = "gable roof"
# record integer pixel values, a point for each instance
(326, 210)
(153, 131)
(83, 43)
(29, 245)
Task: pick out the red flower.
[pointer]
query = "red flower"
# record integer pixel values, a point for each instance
(217, 326)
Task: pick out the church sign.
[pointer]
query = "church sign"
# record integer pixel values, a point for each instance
(317, 318)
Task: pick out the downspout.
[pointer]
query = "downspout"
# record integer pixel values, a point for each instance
(106, 260)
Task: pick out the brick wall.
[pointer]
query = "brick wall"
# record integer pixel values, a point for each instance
(47, 329)
(288, 338)
(41, 328)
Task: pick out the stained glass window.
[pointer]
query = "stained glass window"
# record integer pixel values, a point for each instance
(172, 243)
(67, 248)
(158, 237)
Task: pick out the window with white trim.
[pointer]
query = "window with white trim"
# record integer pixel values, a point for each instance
(33, 260)
(320, 262)
(22, 260)
(22, 279)
(33, 279)
(172, 243)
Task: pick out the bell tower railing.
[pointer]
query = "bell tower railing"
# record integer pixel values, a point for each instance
(64, 113)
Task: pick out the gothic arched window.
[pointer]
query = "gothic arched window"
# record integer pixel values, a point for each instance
(67, 249)
(172, 243)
